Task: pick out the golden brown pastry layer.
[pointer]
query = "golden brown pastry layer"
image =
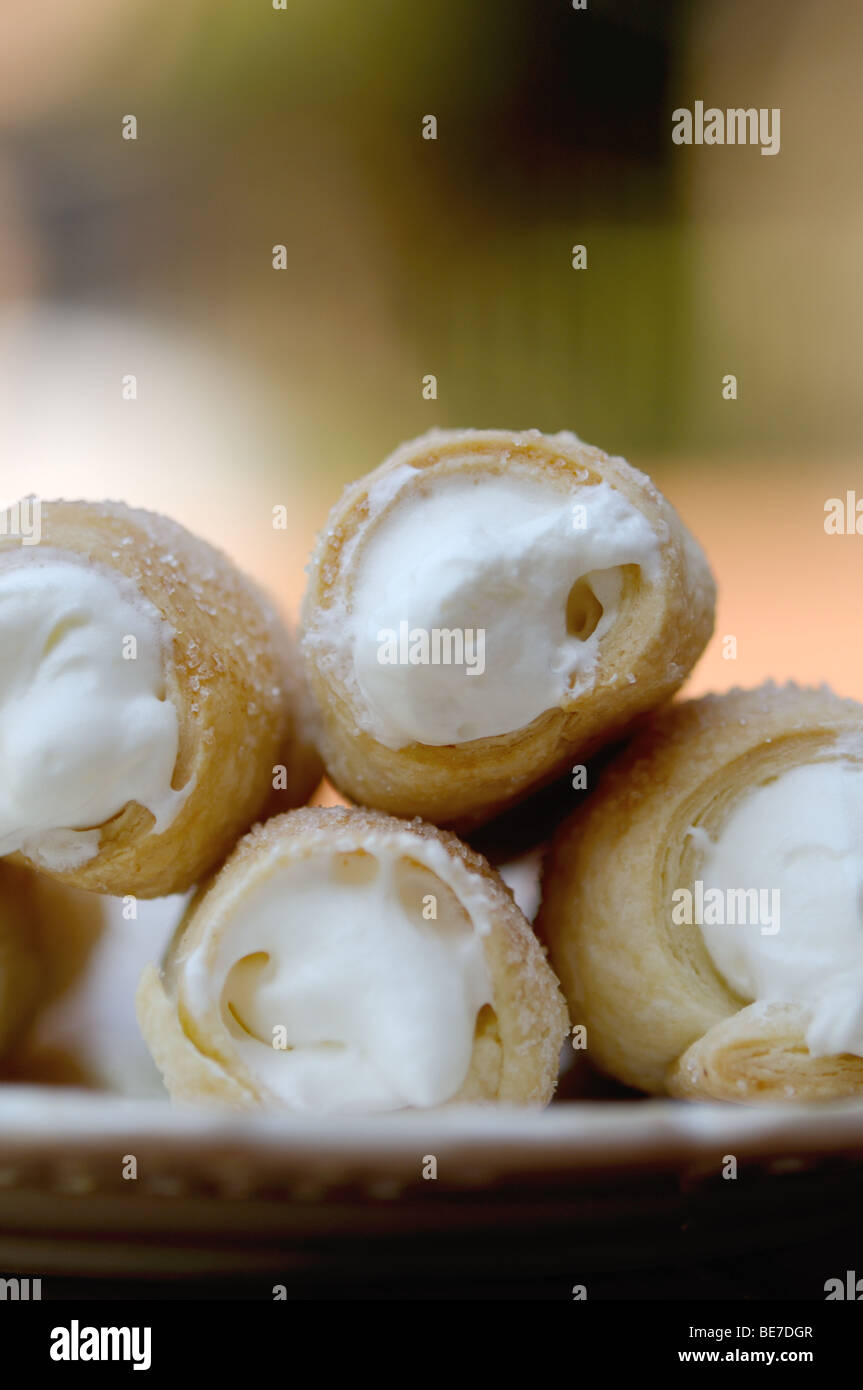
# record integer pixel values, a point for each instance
(231, 675)
(518, 1034)
(644, 657)
(658, 1014)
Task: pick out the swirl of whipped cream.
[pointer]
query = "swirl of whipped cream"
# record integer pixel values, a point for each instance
(86, 723)
(798, 839)
(494, 600)
(348, 979)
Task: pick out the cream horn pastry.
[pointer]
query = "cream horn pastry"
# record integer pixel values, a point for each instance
(148, 695)
(487, 608)
(20, 926)
(704, 909)
(345, 961)
(92, 949)
(46, 934)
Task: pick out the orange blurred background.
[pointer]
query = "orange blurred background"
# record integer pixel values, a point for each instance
(302, 127)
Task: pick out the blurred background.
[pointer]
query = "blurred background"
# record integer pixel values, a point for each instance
(302, 127)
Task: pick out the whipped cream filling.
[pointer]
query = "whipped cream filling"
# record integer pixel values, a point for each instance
(339, 988)
(86, 725)
(481, 604)
(800, 836)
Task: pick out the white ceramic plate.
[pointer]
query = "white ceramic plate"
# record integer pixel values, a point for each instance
(223, 1194)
